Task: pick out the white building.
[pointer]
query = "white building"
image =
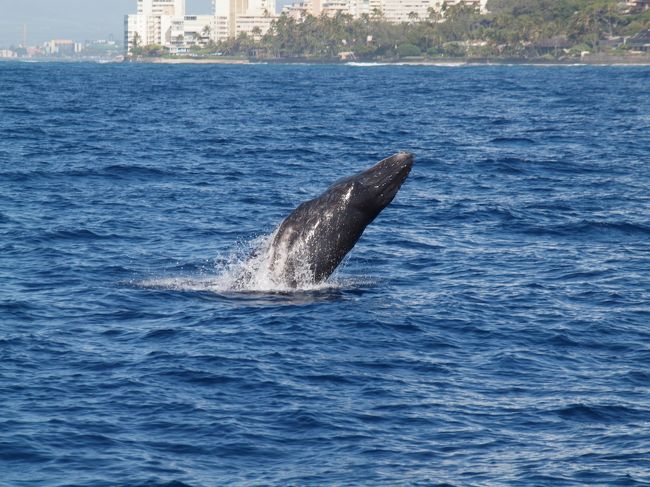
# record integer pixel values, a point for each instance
(161, 7)
(405, 10)
(61, 47)
(6, 53)
(146, 28)
(356, 8)
(251, 17)
(360, 7)
(414, 10)
(165, 23)
(302, 7)
(390, 10)
(333, 7)
(480, 4)
(221, 10)
(234, 17)
(253, 26)
(179, 33)
(261, 8)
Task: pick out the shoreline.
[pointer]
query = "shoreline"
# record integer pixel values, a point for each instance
(160, 60)
(529, 62)
(595, 60)
(458, 62)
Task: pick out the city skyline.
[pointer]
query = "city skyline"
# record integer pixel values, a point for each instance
(70, 19)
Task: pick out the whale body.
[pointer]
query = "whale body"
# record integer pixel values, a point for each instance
(313, 240)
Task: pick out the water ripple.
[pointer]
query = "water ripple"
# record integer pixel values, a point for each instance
(489, 328)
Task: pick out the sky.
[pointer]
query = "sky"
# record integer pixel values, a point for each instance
(78, 20)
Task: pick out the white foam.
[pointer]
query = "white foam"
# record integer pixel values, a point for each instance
(255, 266)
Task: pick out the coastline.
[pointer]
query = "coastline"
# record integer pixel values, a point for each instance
(594, 60)
(160, 60)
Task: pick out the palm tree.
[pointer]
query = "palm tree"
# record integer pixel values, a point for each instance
(434, 15)
(136, 42)
(257, 33)
(207, 31)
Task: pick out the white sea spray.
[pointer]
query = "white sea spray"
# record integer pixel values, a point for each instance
(253, 266)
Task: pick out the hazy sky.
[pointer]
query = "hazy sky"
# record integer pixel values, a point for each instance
(70, 19)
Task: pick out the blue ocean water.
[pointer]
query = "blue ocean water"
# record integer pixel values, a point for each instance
(492, 326)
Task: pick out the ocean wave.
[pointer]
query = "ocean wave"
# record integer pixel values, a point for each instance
(490, 327)
(513, 141)
(75, 234)
(592, 228)
(604, 413)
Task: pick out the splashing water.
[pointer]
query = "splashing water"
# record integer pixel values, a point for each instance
(255, 266)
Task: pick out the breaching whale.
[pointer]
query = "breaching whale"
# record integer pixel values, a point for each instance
(313, 240)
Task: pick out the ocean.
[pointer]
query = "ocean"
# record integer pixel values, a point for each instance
(491, 327)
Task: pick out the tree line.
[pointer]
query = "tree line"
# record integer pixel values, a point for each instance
(511, 29)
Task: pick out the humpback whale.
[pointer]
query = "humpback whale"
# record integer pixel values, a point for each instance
(313, 240)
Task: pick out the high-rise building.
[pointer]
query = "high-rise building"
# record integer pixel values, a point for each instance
(389, 10)
(221, 13)
(148, 26)
(405, 10)
(164, 23)
(233, 17)
(161, 7)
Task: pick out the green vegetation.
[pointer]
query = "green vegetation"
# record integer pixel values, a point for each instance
(524, 29)
(408, 50)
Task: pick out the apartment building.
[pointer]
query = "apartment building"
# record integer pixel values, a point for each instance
(165, 23)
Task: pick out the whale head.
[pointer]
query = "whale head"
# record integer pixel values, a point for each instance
(372, 190)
